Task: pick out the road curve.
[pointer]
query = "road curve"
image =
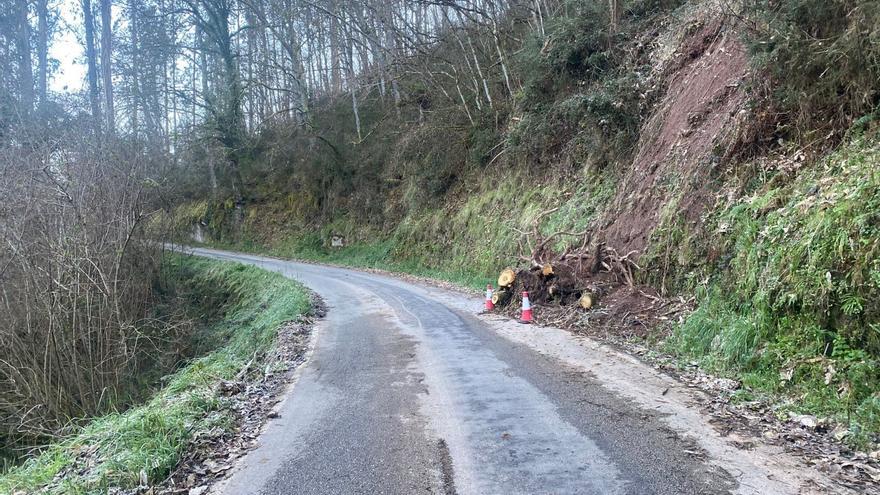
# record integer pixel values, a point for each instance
(407, 393)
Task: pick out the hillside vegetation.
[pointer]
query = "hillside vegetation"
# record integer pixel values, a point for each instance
(239, 310)
(732, 148)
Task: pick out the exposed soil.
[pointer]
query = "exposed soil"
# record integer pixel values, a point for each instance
(696, 124)
(688, 136)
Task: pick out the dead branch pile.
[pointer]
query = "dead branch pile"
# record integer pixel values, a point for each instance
(577, 276)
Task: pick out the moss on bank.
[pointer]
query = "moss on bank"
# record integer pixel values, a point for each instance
(466, 242)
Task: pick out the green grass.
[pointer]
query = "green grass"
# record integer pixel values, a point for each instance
(146, 442)
(466, 242)
(797, 291)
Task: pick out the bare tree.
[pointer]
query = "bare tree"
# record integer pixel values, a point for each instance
(91, 60)
(76, 278)
(134, 72)
(26, 71)
(212, 18)
(106, 65)
(42, 50)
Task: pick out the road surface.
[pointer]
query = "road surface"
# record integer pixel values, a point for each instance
(407, 391)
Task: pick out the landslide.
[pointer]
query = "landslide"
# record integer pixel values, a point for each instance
(664, 167)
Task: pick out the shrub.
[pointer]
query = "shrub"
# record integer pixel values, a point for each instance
(823, 58)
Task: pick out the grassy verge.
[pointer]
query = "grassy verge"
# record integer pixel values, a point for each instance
(246, 306)
(792, 303)
(466, 242)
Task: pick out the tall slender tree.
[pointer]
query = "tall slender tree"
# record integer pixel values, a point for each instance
(614, 11)
(224, 104)
(106, 64)
(25, 67)
(42, 50)
(92, 63)
(134, 72)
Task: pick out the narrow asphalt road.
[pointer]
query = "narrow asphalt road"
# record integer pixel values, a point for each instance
(406, 394)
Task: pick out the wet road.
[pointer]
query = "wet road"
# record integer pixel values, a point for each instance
(406, 394)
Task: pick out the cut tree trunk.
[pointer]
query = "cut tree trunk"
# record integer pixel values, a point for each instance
(506, 278)
(586, 300)
(501, 297)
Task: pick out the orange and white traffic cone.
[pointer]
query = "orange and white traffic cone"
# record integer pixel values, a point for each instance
(526, 316)
(489, 304)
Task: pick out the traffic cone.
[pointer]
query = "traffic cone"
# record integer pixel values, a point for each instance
(526, 316)
(489, 304)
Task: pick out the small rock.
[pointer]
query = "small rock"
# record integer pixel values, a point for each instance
(199, 490)
(840, 433)
(785, 375)
(726, 384)
(806, 421)
(229, 388)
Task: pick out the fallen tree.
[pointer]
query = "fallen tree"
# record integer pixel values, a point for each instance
(578, 275)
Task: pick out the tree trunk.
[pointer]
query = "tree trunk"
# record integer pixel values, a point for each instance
(94, 98)
(336, 79)
(135, 68)
(464, 103)
(614, 8)
(25, 68)
(212, 173)
(539, 17)
(42, 50)
(203, 61)
(391, 46)
(106, 64)
(225, 104)
(354, 107)
(501, 60)
(352, 81)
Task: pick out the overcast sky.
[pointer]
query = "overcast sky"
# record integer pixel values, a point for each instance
(68, 50)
